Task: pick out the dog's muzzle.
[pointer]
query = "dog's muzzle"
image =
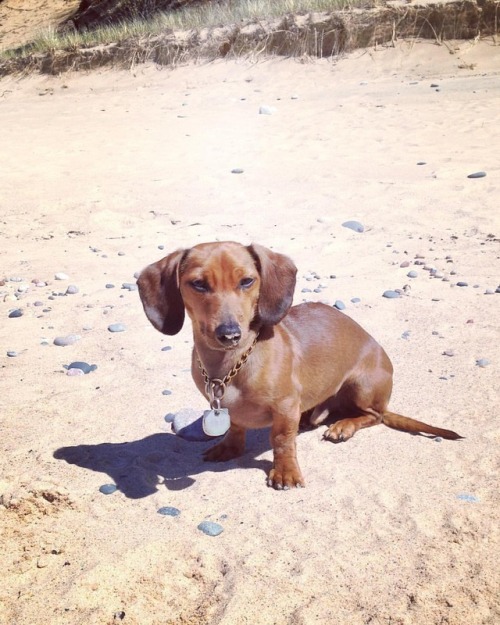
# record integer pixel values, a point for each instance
(228, 334)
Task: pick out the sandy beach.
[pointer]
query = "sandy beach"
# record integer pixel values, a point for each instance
(106, 172)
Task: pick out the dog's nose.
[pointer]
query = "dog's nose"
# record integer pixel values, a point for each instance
(228, 333)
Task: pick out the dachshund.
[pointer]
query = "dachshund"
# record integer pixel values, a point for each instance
(266, 362)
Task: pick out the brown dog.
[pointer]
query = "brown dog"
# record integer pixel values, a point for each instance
(265, 361)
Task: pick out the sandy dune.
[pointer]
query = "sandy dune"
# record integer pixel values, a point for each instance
(104, 173)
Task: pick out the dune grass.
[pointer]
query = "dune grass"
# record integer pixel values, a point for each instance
(197, 16)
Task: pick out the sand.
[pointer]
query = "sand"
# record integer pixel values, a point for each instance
(106, 172)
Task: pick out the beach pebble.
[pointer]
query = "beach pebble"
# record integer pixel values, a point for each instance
(166, 392)
(74, 372)
(355, 300)
(412, 274)
(477, 174)
(108, 489)
(354, 225)
(461, 283)
(61, 276)
(63, 341)
(169, 511)
(339, 305)
(406, 335)
(264, 109)
(72, 290)
(17, 312)
(83, 366)
(169, 417)
(237, 170)
(482, 362)
(467, 497)
(405, 263)
(391, 294)
(187, 423)
(448, 352)
(12, 354)
(129, 286)
(438, 439)
(117, 327)
(167, 348)
(421, 163)
(210, 528)
(110, 286)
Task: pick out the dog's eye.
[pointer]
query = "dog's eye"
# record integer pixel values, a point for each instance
(200, 285)
(246, 283)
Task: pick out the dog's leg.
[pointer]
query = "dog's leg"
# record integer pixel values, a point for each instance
(285, 473)
(231, 446)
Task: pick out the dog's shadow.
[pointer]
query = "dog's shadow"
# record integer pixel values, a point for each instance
(140, 468)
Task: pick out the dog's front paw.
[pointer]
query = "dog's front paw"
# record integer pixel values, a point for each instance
(285, 478)
(222, 452)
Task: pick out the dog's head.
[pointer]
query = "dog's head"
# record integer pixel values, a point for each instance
(226, 288)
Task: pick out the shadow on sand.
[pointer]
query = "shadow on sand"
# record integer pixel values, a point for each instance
(138, 468)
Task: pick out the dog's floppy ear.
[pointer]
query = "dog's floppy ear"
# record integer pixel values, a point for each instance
(277, 274)
(160, 295)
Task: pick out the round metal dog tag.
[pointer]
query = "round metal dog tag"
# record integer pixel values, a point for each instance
(216, 422)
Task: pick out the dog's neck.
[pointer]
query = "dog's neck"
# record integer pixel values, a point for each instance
(219, 362)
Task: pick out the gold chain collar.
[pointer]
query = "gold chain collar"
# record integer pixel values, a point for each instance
(215, 387)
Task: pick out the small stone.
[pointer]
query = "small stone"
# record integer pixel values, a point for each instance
(169, 417)
(306, 290)
(64, 341)
(339, 304)
(237, 170)
(108, 489)
(355, 300)
(477, 174)
(169, 511)
(14, 314)
(61, 276)
(462, 283)
(404, 264)
(166, 392)
(448, 352)
(167, 348)
(434, 85)
(72, 290)
(482, 362)
(74, 372)
(129, 286)
(210, 528)
(438, 439)
(83, 366)
(264, 109)
(121, 253)
(391, 294)
(412, 274)
(354, 225)
(187, 424)
(12, 354)
(467, 497)
(110, 286)
(117, 327)
(406, 335)
(421, 163)
(37, 303)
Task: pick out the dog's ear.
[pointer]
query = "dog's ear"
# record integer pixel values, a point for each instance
(160, 295)
(277, 275)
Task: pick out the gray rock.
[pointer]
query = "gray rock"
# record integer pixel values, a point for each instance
(117, 327)
(64, 341)
(354, 225)
(412, 274)
(108, 489)
(210, 528)
(72, 290)
(391, 294)
(482, 362)
(14, 314)
(129, 286)
(477, 174)
(339, 305)
(83, 366)
(187, 424)
(61, 276)
(169, 511)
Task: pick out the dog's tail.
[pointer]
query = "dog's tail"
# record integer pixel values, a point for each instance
(405, 424)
